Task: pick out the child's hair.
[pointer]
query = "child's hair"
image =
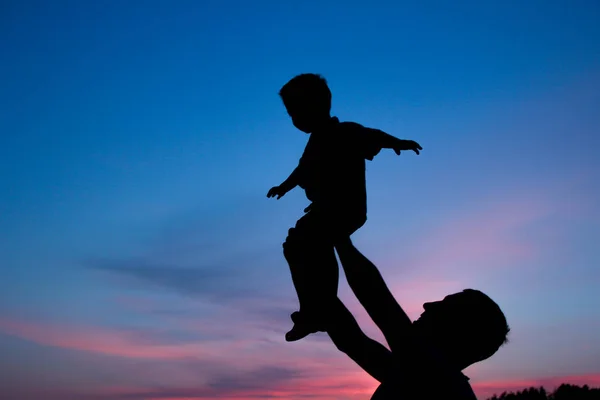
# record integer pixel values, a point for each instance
(307, 91)
(488, 324)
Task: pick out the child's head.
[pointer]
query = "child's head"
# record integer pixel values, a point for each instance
(468, 326)
(307, 99)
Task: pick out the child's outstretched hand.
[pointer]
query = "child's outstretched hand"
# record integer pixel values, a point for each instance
(406, 145)
(276, 191)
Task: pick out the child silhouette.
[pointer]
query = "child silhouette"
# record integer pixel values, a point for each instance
(332, 173)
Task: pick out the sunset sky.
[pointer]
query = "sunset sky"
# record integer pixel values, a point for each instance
(140, 258)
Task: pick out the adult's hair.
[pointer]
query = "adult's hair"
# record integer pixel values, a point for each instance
(486, 323)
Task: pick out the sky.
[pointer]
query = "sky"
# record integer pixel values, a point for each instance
(141, 259)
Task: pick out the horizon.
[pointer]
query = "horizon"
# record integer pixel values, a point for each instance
(141, 259)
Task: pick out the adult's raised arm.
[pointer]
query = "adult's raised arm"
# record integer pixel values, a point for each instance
(345, 333)
(370, 289)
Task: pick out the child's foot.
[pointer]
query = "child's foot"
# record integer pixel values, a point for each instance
(298, 318)
(298, 331)
(301, 329)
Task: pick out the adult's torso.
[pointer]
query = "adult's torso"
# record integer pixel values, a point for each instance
(425, 387)
(420, 373)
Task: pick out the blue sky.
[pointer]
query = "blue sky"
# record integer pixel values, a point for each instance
(138, 141)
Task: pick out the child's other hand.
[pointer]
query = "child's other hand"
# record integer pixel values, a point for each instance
(276, 191)
(407, 145)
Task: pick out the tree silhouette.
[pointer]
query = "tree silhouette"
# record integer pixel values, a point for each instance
(563, 392)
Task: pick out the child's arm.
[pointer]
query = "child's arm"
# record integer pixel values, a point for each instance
(387, 141)
(347, 336)
(287, 185)
(293, 180)
(371, 141)
(370, 289)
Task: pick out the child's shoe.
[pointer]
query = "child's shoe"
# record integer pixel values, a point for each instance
(301, 328)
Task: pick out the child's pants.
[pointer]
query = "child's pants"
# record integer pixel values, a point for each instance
(310, 253)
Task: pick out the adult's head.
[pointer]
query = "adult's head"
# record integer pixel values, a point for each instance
(467, 327)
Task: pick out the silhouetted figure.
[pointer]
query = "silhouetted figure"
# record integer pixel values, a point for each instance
(332, 173)
(426, 357)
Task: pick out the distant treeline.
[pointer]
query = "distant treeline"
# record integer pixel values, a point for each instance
(563, 392)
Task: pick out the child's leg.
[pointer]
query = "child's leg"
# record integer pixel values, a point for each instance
(323, 274)
(320, 229)
(296, 258)
(314, 291)
(315, 273)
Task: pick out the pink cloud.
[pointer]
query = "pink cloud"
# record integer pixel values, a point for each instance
(249, 348)
(484, 236)
(98, 340)
(499, 230)
(197, 363)
(347, 386)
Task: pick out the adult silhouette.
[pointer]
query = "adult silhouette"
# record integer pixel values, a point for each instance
(425, 357)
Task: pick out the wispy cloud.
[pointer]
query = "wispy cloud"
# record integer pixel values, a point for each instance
(243, 368)
(262, 383)
(488, 236)
(121, 343)
(215, 259)
(215, 283)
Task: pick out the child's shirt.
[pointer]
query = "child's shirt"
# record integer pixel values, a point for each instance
(332, 167)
